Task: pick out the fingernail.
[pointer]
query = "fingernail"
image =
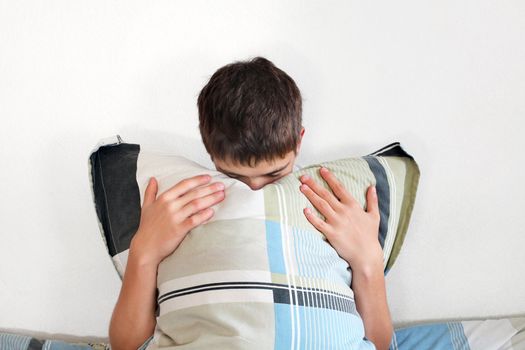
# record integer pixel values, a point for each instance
(323, 170)
(374, 191)
(307, 211)
(303, 187)
(305, 178)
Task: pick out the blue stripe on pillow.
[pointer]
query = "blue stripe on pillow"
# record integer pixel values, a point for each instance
(274, 247)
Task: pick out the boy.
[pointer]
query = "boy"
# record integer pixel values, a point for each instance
(251, 125)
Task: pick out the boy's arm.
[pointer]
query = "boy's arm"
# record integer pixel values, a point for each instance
(354, 235)
(370, 296)
(133, 320)
(164, 223)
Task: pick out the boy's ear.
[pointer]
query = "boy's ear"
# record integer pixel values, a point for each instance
(301, 139)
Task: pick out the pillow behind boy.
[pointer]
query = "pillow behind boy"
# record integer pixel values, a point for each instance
(258, 274)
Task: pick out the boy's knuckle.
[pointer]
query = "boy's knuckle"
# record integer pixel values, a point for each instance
(171, 207)
(185, 226)
(338, 206)
(324, 193)
(187, 182)
(193, 220)
(324, 205)
(324, 228)
(162, 198)
(196, 193)
(174, 221)
(196, 205)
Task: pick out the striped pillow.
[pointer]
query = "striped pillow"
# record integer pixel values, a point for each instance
(258, 274)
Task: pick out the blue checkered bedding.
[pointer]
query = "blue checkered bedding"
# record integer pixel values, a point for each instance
(10, 341)
(487, 334)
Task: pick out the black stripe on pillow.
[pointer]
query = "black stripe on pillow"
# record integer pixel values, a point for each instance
(35, 344)
(394, 150)
(282, 294)
(314, 298)
(383, 195)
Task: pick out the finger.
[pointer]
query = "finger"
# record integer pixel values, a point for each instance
(200, 192)
(185, 185)
(197, 219)
(320, 191)
(372, 205)
(208, 219)
(319, 203)
(317, 222)
(202, 203)
(151, 191)
(337, 187)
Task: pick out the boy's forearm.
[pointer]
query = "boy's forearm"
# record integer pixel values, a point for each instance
(133, 320)
(371, 302)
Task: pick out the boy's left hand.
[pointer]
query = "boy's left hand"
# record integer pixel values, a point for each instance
(352, 231)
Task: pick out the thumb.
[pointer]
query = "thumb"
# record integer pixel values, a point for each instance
(372, 205)
(151, 191)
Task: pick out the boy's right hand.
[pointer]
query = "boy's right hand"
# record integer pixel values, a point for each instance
(165, 221)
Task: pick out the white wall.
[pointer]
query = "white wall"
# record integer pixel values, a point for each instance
(445, 78)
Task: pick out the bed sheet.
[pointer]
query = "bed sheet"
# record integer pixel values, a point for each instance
(482, 334)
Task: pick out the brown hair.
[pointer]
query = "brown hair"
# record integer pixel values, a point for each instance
(249, 111)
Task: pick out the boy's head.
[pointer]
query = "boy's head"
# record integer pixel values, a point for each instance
(250, 119)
